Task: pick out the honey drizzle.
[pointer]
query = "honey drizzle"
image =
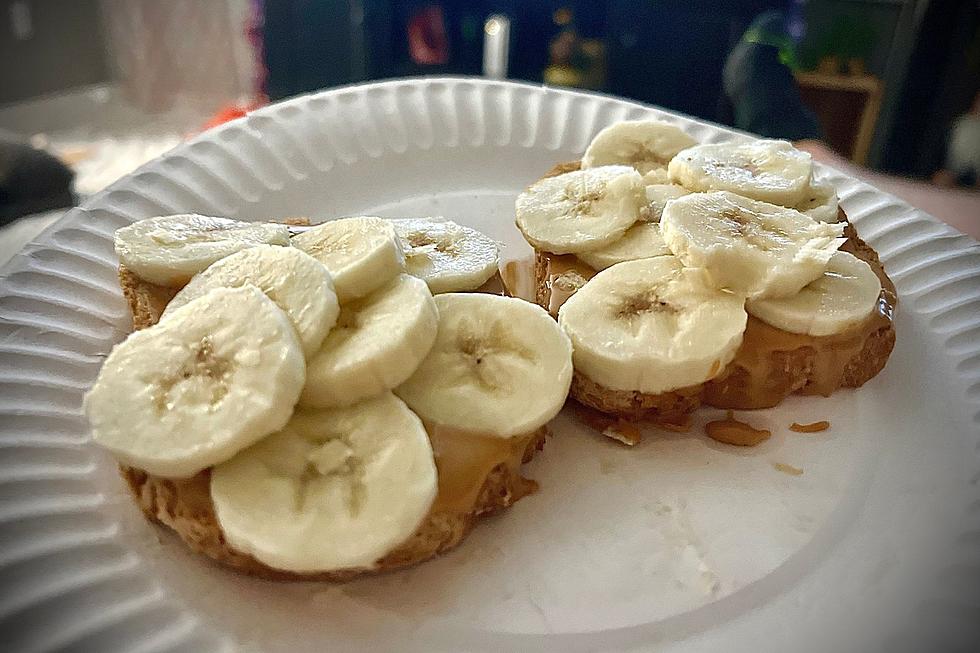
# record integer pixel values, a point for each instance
(761, 342)
(755, 383)
(464, 460)
(564, 276)
(518, 279)
(747, 382)
(732, 431)
(494, 286)
(814, 427)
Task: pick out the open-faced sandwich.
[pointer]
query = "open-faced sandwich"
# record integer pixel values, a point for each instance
(296, 403)
(718, 274)
(326, 401)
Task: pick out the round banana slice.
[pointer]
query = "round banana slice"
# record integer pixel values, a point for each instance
(820, 202)
(766, 170)
(845, 295)
(657, 197)
(169, 250)
(362, 254)
(378, 342)
(213, 378)
(580, 210)
(642, 240)
(334, 489)
(500, 366)
(751, 248)
(644, 144)
(293, 280)
(447, 256)
(650, 326)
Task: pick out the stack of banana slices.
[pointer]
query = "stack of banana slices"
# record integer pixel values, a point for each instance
(345, 405)
(683, 246)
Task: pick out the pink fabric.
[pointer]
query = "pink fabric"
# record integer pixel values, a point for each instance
(957, 207)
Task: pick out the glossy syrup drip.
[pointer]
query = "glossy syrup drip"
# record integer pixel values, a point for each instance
(750, 380)
(465, 459)
(732, 431)
(517, 277)
(813, 427)
(810, 365)
(563, 275)
(493, 286)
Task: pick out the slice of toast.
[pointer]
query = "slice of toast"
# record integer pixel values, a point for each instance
(770, 365)
(185, 506)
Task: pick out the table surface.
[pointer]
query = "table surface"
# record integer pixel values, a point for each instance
(957, 207)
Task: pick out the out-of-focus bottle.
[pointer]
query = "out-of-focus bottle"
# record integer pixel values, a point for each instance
(574, 60)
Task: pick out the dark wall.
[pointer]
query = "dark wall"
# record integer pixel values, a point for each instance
(65, 50)
(671, 53)
(307, 45)
(943, 78)
(668, 52)
(312, 45)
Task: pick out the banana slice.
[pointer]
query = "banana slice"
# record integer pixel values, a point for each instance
(642, 240)
(580, 210)
(189, 392)
(820, 202)
(171, 249)
(845, 295)
(646, 145)
(751, 248)
(500, 366)
(362, 254)
(657, 197)
(334, 489)
(766, 170)
(447, 256)
(650, 326)
(292, 279)
(378, 342)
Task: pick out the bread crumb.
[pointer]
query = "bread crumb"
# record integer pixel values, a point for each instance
(612, 427)
(787, 469)
(623, 431)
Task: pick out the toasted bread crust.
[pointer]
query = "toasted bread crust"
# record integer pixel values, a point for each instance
(791, 372)
(786, 371)
(668, 407)
(185, 506)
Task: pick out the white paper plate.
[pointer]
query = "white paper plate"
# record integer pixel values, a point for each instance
(680, 544)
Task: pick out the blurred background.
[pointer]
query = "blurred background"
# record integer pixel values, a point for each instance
(886, 89)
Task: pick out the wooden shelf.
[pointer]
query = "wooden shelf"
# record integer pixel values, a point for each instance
(867, 85)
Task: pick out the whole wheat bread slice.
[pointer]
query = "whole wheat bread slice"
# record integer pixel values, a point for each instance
(185, 506)
(788, 371)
